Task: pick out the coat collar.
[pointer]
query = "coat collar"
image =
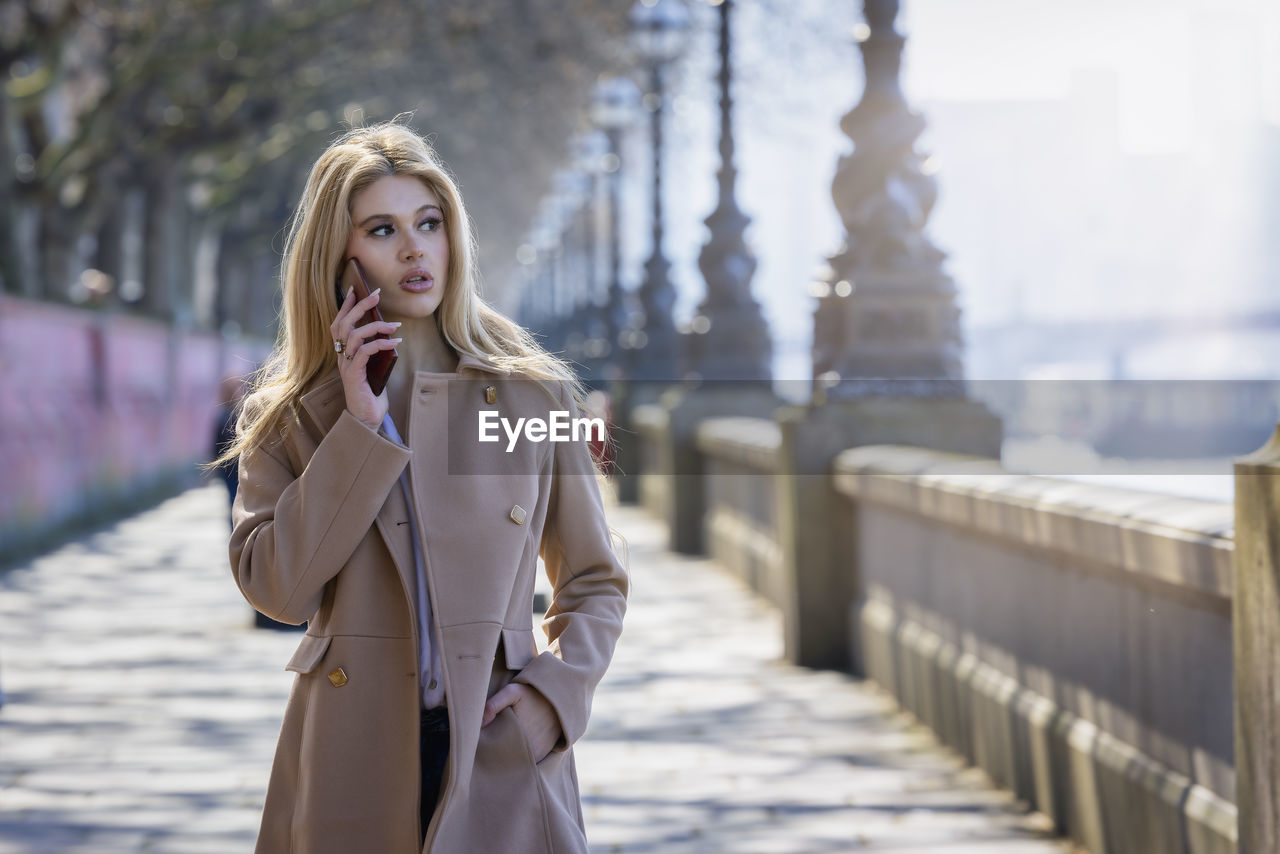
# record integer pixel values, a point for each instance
(469, 361)
(325, 402)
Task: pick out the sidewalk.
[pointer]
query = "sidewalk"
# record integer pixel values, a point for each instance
(142, 714)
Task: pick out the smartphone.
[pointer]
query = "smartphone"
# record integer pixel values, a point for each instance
(381, 362)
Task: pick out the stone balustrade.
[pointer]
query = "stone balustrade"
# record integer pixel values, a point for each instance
(1074, 640)
(652, 424)
(741, 521)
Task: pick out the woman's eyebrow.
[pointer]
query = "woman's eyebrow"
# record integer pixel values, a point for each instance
(436, 208)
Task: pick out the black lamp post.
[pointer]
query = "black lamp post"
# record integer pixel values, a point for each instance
(571, 194)
(545, 239)
(658, 28)
(730, 339)
(613, 109)
(589, 152)
(887, 322)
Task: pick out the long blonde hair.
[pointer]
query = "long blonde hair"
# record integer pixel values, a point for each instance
(315, 247)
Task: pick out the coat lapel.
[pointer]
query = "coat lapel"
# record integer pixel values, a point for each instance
(393, 524)
(325, 402)
(467, 361)
(324, 405)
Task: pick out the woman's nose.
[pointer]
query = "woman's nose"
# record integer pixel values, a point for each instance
(415, 246)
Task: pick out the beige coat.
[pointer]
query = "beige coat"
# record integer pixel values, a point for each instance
(319, 534)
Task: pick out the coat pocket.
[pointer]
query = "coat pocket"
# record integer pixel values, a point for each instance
(505, 783)
(518, 647)
(308, 654)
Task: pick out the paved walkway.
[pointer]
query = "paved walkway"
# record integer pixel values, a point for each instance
(143, 709)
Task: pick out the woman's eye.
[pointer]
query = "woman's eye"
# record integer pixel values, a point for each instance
(429, 224)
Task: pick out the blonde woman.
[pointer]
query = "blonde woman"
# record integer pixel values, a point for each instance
(422, 717)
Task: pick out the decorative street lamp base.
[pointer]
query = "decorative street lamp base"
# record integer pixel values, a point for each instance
(736, 347)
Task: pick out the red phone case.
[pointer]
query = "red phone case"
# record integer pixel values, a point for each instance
(381, 362)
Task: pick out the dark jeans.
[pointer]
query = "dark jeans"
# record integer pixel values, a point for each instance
(434, 745)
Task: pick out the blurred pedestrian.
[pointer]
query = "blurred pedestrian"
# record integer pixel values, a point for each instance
(422, 716)
(598, 405)
(231, 389)
(230, 392)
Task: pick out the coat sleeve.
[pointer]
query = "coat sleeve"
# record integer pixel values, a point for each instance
(589, 584)
(291, 533)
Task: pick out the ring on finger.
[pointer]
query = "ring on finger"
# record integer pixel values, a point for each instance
(339, 346)
(350, 354)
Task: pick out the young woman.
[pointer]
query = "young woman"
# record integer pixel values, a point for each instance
(422, 717)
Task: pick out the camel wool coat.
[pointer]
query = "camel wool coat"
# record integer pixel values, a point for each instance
(320, 534)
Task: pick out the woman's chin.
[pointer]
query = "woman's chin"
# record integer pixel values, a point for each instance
(411, 310)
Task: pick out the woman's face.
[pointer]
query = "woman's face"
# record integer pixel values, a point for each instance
(398, 233)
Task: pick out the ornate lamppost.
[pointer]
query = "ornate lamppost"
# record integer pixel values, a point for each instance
(613, 109)
(571, 195)
(659, 28)
(887, 321)
(589, 151)
(730, 339)
(886, 353)
(523, 278)
(545, 239)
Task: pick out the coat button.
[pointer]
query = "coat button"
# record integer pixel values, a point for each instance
(490, 394)
(338, 677)
(517, 514)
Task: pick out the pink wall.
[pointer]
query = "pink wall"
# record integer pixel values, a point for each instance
(96, 406)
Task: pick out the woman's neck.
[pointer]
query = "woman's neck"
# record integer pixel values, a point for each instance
(423, 349)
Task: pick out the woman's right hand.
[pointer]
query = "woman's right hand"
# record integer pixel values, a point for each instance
(358, 345)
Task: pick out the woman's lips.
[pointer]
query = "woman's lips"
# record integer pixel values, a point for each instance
(418, 285)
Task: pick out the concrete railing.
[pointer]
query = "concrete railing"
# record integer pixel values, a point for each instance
(668, 480)
(741, 522)
(1255, 630)
(652, 426)
(1073, 640)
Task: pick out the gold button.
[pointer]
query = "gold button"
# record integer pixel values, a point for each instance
(517, 514)
(490, 394)
(338, 677)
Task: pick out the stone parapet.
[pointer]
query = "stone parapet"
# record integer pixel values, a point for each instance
(1163, 539)
(1256, 627)
(741, 519)
(651, 424)
(750, 444)
(1072, 639)
(672, 482)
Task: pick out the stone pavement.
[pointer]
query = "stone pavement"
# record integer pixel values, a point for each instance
(142, 711)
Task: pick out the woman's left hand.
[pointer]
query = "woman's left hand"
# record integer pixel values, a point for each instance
(534, 713)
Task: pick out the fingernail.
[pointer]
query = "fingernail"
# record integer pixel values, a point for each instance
(377, 290)
(350, 290)
(395, 323)
(395, 340)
